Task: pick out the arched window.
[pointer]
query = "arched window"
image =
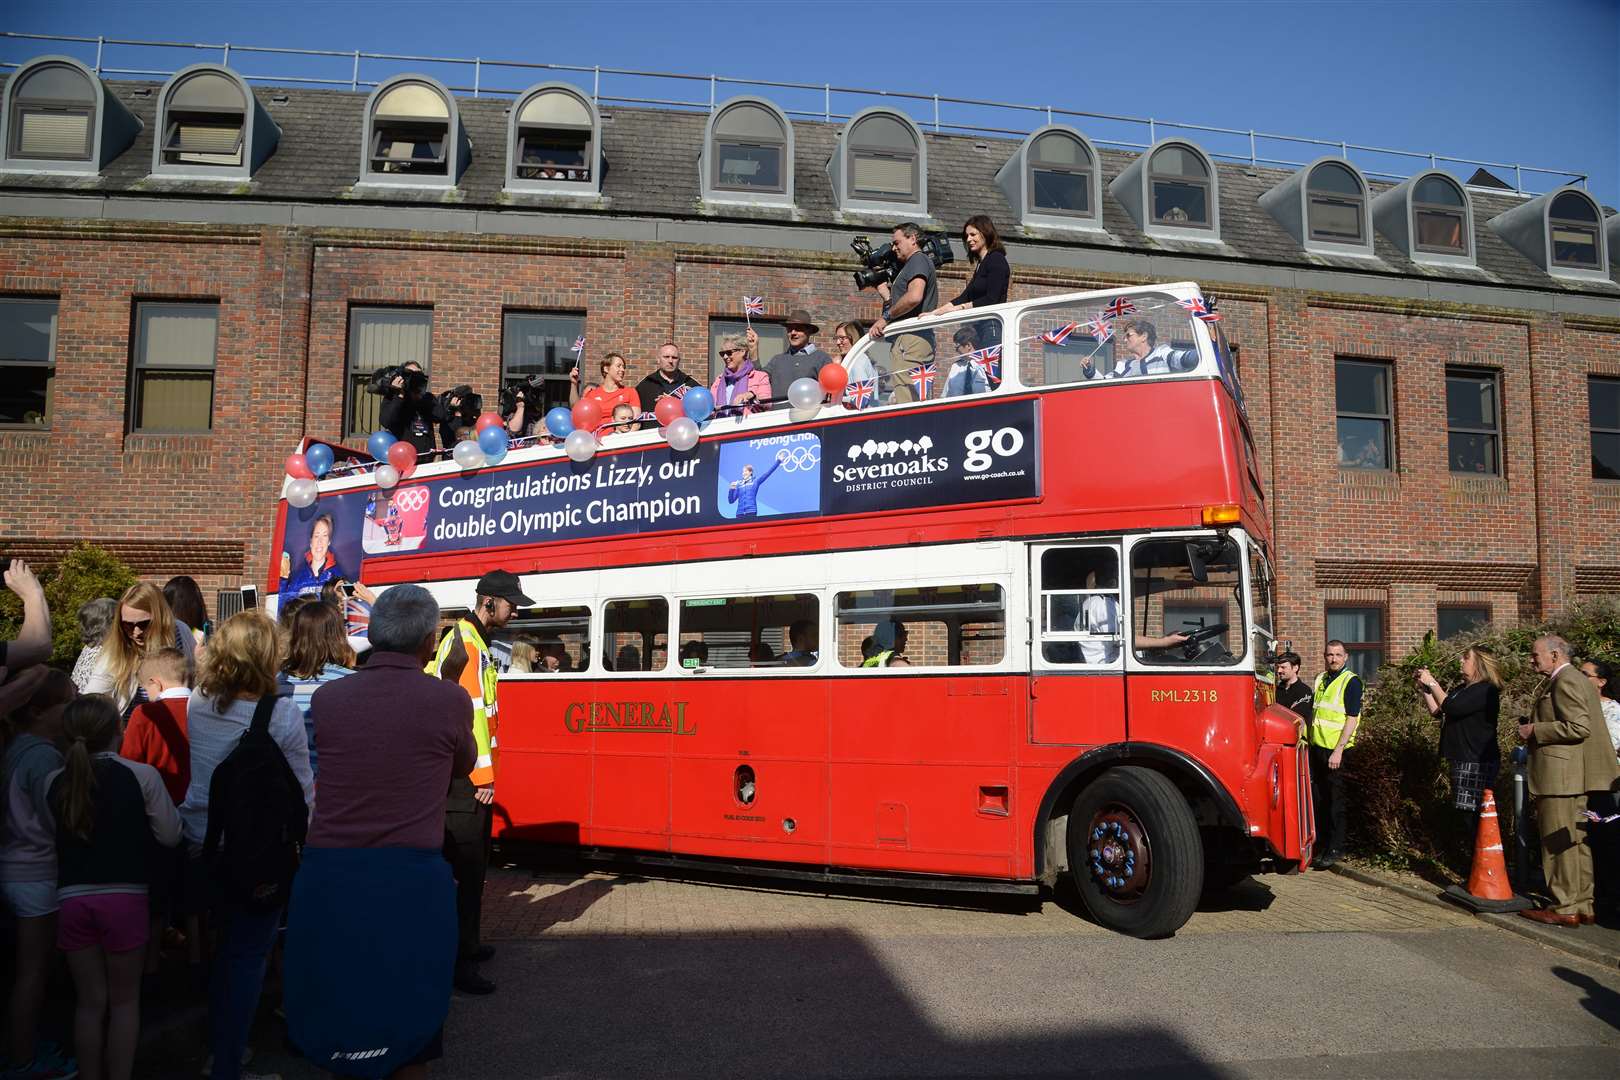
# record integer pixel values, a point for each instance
(1061, 170)
(413, 134)
(52, 113)
(1180, 193)
(205, 121)
(883, 159)
(1573, 239)
(1336, 204)
(1439, 216)
(748, 151)
(555, 141)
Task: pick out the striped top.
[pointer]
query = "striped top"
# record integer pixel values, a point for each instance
(302, 691)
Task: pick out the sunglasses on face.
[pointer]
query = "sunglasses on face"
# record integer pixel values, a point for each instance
(138, 624)
(729, 352)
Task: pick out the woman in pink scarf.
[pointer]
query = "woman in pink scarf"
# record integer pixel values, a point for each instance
(741, 385)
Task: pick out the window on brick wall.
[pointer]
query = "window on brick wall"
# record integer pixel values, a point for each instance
(27, 361)
(635, 634)
(379, 338)
(1454, 620)
(1362, 631)
(772, 340)
(750, 631)
(931, 626)
(1365, 413)
(1603, 401)
(175, 348)
(1473, 422)
(538, 347)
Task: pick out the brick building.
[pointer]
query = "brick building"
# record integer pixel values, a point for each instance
(196, 273)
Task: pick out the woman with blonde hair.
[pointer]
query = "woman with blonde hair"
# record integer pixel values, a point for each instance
(1468, 723)
(144, 625)
(237, 671)
(848, 335)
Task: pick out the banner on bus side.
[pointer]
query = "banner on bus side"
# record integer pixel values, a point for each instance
(950, 457)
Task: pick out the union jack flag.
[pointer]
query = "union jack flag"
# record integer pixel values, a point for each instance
(1198, 309)
(989, 362)
(1117, 307)
(1060, 334)
(1099, 329)
(678, 392)
(753, 305)
(858, 392)
(579, 344)
(922, 379)
(356, 617)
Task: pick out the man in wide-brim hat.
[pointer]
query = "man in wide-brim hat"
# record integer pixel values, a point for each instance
(802, 359)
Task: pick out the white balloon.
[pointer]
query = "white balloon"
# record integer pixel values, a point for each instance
(386, 476)
(580, 445)
(468, 454)
(805, 394)
(682, 433)
(302, 492)
(799, 416)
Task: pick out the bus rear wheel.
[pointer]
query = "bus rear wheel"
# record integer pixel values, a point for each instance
(1135, 853)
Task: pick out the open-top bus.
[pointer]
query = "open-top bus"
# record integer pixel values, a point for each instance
(977, 639)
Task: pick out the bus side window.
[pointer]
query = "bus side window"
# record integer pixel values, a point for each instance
(551, 640)
(1080, 606)
(781, 631)
(969, 359)
(933, 626)
(635, 634)
(1189, 587)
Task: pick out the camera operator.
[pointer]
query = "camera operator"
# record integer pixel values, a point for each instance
(914, 292)
(407, 408)
(523, 405)
(456, 408)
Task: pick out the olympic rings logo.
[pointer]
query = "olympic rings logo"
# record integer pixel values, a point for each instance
(411, 499)
(800, 458)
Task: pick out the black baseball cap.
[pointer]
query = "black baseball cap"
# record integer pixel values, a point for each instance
(503, 585)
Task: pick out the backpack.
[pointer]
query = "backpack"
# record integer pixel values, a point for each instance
(257, 818)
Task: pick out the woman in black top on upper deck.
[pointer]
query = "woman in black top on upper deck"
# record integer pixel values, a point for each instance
(991, 274)
(1468, 716)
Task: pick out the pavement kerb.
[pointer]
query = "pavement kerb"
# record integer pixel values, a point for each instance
(1561, 940)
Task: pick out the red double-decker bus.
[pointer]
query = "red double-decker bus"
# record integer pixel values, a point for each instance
(1008, 620)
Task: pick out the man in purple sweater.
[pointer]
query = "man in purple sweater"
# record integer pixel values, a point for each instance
(372, 941)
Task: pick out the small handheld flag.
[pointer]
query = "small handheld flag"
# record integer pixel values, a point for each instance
(753, 305)
(1099, 329)
(1060, 334)
(1117, 307)
(989, 362)
(1198, 309)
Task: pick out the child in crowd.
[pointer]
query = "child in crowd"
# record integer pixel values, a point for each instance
(624, 415)
(34, 699)
(156, 735)
(105, 808)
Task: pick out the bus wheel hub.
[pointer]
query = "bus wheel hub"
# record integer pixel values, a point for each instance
(1117, 851)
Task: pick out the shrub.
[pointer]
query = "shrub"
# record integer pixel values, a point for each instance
(1399, 786)
(84, 574)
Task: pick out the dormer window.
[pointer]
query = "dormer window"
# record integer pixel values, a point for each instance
(204, 122)
(413, 134)
(1060, 169)
(1178, 181)
(750, 144)
(1336, 205)
(59, 118)
(1572, 232)
(1439, 216)
(556, 138)
(881, 164)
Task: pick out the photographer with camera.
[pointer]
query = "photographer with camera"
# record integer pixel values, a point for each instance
(457, 408)
(914, 292)
(407, 408)
(523, 405)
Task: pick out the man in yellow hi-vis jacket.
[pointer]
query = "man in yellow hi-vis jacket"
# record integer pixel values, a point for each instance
(467, 809)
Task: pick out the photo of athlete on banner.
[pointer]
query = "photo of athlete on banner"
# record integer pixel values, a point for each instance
(321, 546)
(396, 520)
(767, 477)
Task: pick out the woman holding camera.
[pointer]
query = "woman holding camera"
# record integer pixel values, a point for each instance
(991, 273)
(1468, 723)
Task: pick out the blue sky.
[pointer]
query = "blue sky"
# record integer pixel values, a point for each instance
(1534, 83)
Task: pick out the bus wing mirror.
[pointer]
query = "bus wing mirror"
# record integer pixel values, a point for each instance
(1196, 554)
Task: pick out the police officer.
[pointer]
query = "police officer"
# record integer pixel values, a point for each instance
(1335, 712)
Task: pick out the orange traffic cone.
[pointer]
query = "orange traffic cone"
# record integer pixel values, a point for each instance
(1488, 888)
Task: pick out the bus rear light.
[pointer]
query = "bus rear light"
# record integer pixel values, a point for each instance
(1225, 514)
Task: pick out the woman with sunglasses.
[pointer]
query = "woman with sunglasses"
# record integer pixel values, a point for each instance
(741, 386)
(860, 369)
(1601, 675)
(144, 625)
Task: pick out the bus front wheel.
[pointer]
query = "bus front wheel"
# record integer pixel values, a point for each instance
(1135, 852)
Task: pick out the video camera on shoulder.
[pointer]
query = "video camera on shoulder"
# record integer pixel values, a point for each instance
(464, 414)
(881, 264)
(531, 390)
(382, 381)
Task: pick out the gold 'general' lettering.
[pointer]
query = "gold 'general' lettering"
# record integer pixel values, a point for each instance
(668, 718)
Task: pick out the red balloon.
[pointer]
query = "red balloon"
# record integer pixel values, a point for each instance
(588, 414)
(667, 410)
(297, 468)
(402, 456)
(487, 420)
(833, 378)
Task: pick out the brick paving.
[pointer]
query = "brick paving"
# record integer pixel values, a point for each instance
(522, 905)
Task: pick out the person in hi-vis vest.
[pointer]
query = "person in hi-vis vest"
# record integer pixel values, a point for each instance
(1335, 712)
(467, 812)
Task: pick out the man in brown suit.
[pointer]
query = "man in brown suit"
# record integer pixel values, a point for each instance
(1570, 756)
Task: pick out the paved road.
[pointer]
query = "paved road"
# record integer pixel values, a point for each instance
(606, 975)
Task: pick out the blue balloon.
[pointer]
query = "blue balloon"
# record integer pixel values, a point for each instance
(319, 459)
(379, 443)
(560, 421)
(494, 457)
(493, 440)
(698, 403)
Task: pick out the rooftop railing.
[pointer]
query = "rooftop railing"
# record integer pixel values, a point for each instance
(944, 114)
